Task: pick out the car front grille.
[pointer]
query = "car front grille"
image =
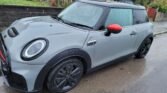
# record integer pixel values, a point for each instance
(3, 53)
(4, 58)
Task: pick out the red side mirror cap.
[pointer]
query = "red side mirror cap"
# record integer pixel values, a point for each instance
(114, 28)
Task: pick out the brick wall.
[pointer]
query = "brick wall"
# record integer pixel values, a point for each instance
(8, 14)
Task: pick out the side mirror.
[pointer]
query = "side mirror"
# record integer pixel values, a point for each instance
(113, 28)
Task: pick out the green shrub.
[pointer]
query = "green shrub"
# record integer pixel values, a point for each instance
(161, 5)
(34, 3)
(163, 9)
(154, 5)
(63, 3)
(143, 2)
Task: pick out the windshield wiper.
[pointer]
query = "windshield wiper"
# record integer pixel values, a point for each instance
(70, 23)
(58, 18)
(81, 25)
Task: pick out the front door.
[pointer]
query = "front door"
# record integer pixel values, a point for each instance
(116, 45)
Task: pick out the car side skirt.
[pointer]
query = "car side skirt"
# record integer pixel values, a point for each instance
(110, 63)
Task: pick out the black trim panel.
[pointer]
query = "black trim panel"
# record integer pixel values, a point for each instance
(121, 59)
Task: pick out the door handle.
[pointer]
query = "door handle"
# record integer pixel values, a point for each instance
(92, 42)
(133, 33)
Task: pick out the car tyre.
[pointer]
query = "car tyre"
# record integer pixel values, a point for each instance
(144, 48)
(65, 76)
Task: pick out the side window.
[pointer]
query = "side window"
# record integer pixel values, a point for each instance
(123, 17)
(140, 16)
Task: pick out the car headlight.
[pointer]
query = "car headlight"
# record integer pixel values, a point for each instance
(34, 49)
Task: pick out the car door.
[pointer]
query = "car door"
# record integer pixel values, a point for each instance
(108, 48)
(142, 25)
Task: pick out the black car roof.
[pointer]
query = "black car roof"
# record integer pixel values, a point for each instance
(113, 4)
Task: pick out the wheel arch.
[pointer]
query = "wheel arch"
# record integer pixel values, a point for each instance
(150, 36)
(70, 53)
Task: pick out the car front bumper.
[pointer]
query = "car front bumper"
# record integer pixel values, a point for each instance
(12, 79)
(21, 78)
(17, 74)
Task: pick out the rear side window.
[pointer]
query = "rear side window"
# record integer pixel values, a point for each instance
(140, 16)
(123, 17)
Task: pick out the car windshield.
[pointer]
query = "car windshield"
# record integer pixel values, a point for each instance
(82, 14)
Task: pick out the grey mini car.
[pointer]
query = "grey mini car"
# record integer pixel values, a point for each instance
(56, 51)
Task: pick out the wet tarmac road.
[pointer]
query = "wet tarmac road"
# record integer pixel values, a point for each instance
(147, 75)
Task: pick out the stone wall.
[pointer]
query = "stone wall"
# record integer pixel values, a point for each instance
(8, 14)
(161, 17)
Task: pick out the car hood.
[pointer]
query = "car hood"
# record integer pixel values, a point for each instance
(42, 25)
(23, 24)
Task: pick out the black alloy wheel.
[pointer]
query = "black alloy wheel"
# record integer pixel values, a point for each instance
(65, 76)
(144, 48)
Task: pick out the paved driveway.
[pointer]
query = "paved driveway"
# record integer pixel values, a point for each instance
(130, 76)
